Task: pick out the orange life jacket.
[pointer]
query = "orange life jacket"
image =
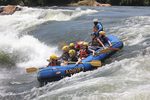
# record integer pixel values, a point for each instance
(83, 53)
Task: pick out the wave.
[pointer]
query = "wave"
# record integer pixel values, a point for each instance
(125, 78)
(65, 15)
(24, 48)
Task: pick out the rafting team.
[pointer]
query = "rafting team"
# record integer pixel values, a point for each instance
(75, 53)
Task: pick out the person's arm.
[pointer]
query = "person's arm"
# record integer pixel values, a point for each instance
(93, 51)
(101, 43)
(106, 38)
(79, 61)
(110, 44)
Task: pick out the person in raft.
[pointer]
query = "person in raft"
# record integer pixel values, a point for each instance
(98, 25)
(72, 56)
(103, 38)
(78, 45)
(72, 46)
(83, 52)
(65, 55)
(53, 61)
(96, 43)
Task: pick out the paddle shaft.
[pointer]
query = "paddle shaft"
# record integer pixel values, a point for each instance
(95, 63)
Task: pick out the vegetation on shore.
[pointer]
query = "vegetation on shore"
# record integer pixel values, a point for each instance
(75, 2)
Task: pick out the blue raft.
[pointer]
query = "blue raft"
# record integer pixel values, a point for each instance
(55, 73)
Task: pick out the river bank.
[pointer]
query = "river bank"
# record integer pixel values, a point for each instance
(76, 2)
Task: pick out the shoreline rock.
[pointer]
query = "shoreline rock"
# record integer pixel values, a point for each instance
(9, 9)
(90, 3)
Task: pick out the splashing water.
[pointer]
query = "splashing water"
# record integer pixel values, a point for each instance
(29, 50)
(125, 78)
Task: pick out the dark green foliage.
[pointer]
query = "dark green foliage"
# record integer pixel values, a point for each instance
(65, 2)
(6, 59)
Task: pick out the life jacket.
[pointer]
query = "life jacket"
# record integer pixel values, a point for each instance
(103, 39)
(99, 26)
(73, 59)
(65, 56)
(53, 63)
(83, 53)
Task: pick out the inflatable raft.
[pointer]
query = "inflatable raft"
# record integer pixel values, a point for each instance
(55, 73)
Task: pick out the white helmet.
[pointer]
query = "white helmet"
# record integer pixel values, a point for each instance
(95, 20)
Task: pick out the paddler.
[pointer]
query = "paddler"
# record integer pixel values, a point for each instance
(96, 43)
(83, 52)
(65, 55)
(78, 45)
(53, 60)
(98, 25)
(103, 38)
(72, 46)
(72, 56)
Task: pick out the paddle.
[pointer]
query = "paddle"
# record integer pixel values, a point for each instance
(94, 63)
(31, 69)
(108, 50)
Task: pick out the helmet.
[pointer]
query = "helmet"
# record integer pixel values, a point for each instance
(65, 48)
(102, 33)
(80, 42)
(71, 45)
(85, 44)
(95, 20)
(52, 57)
(72, 52)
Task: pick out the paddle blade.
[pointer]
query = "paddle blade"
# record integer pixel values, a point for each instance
(108, 50)
(96, 63)
(31, 69)
(115, 49)
(104, 50)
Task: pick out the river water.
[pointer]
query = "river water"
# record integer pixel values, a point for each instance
(28, 37)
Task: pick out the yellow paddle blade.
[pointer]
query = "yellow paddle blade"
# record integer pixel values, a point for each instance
(31, 69)
(96, 63)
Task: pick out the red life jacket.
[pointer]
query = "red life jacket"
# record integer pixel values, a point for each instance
(83, 53)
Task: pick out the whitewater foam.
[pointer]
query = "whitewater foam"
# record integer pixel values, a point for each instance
(28, 50)
(126, 78)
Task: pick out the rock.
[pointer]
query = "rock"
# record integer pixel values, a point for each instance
(90, 3)
(104, 5)
(9, 9)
